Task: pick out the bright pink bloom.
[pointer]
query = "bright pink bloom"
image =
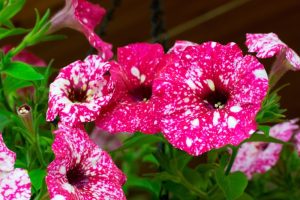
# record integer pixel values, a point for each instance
(259, 157)
(133, 107)
(79, 91)
(81, 170)
(84, 17)
(26, 57)
(210, 95)
(14, 183)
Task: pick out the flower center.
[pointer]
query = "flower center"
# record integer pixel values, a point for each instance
(77, 95)
(142, 93)
(216, 99)
(76, 177)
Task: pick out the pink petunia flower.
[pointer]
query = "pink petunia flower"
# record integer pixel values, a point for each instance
(269, 45)
(210, 95)
(81, 170)
(14, 183)
(259, 157)
(79, 91)
(133, 107)
(83, 16)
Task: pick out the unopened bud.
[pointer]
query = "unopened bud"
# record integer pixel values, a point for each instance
(25, 114)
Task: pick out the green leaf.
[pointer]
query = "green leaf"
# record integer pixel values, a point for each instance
(10, 9)
(10, 32)
(12, 84)
(149, 185)
(36, 177)
(22, 71)
(263, 138)
(232, 185)
(245, 196)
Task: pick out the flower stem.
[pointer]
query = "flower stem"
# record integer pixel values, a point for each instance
(232, 158)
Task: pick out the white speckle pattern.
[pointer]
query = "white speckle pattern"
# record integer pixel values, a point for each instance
(232, 122)
(195, 122)
(235, 109)
(260, 73)
(189, 142)
(210, 84)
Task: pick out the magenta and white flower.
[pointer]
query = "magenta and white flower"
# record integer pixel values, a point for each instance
(259, 157)
(133, 107)
(83, 16)
(81, 170)
(210, 95)
(80, 91)
(269, 45)
(14, 183)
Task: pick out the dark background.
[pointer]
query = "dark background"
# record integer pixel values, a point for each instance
(195, 20)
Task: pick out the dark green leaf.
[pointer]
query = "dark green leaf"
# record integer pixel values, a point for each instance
(36, 177)
(232, 185)
(22, 71)
(150, 185)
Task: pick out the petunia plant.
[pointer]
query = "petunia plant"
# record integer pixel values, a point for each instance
(196, 121)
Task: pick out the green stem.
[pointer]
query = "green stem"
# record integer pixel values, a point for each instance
(232, 158)
(5, 102)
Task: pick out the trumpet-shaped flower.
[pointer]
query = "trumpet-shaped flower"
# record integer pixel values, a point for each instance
(79, 91)
(83, 16)
(81, 170)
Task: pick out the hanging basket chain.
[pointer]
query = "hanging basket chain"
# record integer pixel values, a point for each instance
(158, 31)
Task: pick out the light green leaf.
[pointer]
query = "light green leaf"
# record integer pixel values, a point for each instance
(10, 9)
(12, 84)
(22, 71)
(36, 177)
(10, 32)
